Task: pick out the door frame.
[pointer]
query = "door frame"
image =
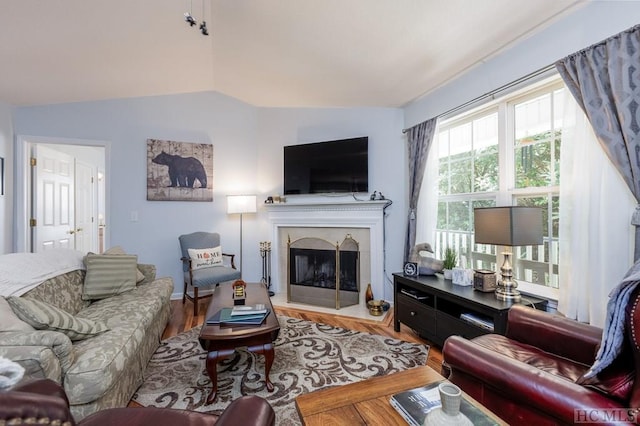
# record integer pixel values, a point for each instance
(22, 206)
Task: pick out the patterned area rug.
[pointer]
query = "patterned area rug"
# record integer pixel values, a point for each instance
(308, 356)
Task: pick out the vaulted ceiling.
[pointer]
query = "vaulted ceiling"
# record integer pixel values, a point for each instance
(280, 53)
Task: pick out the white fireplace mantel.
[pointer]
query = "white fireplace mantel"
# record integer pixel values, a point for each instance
(338, 214)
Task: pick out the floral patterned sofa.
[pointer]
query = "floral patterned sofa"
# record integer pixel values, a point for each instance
(105, 369)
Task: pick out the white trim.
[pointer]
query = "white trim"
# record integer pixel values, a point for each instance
(539, 290)
(22, 172)
(350, 214)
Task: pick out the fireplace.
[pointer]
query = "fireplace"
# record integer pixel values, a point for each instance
(330, 221)
(321, 273)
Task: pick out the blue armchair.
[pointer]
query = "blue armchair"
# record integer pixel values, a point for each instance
(203, 276)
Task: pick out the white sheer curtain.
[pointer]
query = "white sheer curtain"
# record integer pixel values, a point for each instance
(596, 238)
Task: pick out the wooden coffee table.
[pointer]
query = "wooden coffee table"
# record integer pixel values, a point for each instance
(221, 340)
(367, 402)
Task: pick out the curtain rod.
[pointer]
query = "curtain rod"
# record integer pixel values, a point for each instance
(538, 73)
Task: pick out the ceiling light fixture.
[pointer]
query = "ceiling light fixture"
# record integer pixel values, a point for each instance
(203, 26)
(188, 17)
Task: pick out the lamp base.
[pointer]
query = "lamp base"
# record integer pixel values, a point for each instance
(506, 290)
(508, 294)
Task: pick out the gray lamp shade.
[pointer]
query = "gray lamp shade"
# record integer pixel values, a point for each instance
(508, 226)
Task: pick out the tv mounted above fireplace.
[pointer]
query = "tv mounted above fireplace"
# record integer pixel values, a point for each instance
(338, 166)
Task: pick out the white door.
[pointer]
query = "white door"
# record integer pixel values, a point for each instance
(53, 199)
(85, 207)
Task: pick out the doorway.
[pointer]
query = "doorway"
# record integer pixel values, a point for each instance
(63, 199)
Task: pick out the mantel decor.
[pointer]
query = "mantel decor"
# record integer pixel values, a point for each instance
(179, 171)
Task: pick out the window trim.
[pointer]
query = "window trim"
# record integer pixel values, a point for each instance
(507, 192)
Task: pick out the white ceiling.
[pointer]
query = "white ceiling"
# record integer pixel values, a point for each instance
(282, 53)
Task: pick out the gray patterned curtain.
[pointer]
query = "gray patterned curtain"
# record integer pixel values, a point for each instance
(605, 81)
(419, 137)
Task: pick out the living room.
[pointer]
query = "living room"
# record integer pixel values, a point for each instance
(247, 145)
(256, 135)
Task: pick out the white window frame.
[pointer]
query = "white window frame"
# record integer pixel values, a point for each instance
(507, 193)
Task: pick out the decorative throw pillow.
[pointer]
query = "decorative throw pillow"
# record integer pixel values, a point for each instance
(9, 321)
(205, 258)
(108, 275)
(43, 316)
(120, 250)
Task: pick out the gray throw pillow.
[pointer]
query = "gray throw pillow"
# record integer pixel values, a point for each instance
(120, 250)
(108, 275)
(43, 316)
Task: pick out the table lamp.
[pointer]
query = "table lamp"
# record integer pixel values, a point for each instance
(508, 226)
(241, 204)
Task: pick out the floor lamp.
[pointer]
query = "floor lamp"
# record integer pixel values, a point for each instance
(240, 204)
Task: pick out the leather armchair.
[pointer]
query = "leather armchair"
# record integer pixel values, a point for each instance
(533, 374)
(44, 402)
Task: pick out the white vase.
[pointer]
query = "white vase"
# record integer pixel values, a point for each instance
(449, 413)
(447, 274)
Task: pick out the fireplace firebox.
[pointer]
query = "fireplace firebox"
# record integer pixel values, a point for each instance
(321, 273)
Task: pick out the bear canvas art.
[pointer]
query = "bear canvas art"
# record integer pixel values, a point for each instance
(179, 171)
(182, 171)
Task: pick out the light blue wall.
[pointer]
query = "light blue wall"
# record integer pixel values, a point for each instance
(6, 201)
(590, 24)
(247, 144)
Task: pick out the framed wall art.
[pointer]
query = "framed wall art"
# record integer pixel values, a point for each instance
(179, 171)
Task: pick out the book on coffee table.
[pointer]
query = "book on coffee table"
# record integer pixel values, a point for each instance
(223, 316)
(248, 310)
(414, 405)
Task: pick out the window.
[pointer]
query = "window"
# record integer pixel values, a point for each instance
(506, 152)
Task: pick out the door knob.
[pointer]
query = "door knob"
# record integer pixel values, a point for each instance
(79, 230)
(71, 232)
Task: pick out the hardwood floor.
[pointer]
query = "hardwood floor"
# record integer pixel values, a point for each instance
(182, 319)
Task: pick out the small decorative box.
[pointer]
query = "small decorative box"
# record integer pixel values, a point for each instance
(484, 280)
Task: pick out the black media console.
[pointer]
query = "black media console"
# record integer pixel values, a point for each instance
(436, 308)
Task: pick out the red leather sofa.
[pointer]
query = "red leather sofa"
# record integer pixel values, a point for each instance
(533, 374)
(43, 402)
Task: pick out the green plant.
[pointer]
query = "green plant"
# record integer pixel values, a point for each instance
(450, 258)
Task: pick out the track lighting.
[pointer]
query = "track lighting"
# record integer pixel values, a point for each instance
(189, 19)
(203, 28)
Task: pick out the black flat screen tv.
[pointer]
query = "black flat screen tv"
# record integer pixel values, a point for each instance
(339, 166)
